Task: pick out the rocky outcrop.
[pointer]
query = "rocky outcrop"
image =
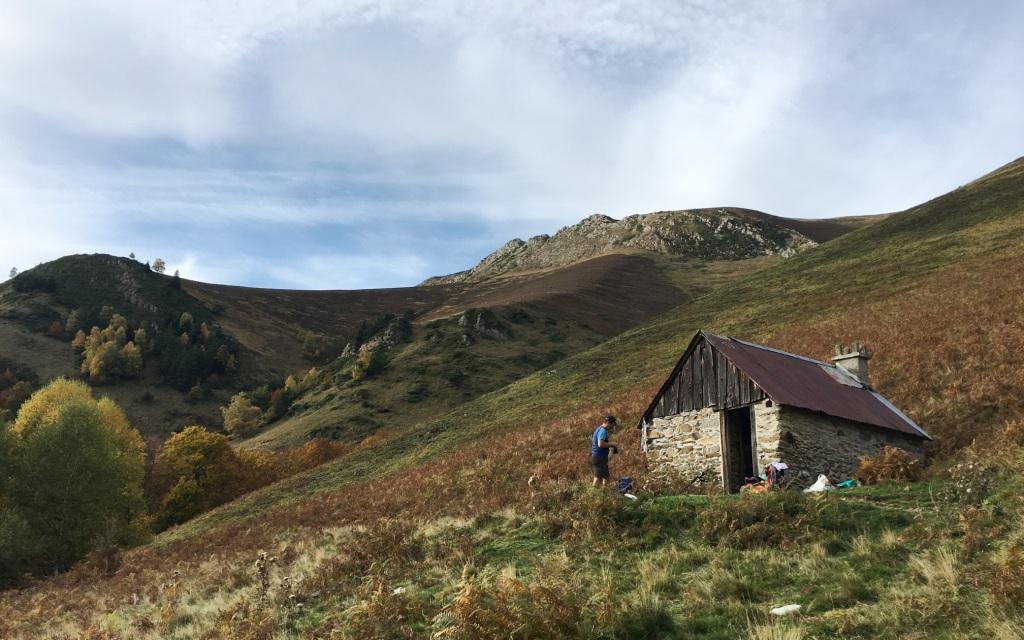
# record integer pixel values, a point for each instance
(484, 322)
(705, 234)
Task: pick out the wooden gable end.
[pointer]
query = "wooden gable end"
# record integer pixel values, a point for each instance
(704, 378)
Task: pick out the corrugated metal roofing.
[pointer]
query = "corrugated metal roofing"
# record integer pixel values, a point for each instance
(797, 381)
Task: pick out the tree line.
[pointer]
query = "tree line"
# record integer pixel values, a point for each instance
(187, 352)
(75, 478)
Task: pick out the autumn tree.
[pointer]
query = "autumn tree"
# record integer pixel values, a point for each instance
(131, 360)
(74, 469)
(56, 329)
(11, 398)
(159, 265)
(194, 471)
(241, 416)
(108, 354)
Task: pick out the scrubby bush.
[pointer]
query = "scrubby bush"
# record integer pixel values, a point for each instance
(196, 470)
(14, 391)
(890, 464)
(493, 604)
(312, 454)
(971, 479)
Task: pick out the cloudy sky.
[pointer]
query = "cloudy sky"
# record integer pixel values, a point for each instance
(314, 144)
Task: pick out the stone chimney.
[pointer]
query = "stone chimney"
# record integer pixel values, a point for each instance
(854, 359)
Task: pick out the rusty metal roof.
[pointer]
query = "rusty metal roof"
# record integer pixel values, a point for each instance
(797, 381)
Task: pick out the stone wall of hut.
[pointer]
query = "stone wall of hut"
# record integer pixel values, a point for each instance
(812, 443)
(686, 445)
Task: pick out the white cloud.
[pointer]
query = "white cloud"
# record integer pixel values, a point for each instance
(227, 116)
(348, 272)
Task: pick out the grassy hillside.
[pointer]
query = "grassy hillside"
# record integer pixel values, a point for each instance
(437, 365)
(543, 318)
(280, 332)
(36, 311)
(434, 531)
(274, 333)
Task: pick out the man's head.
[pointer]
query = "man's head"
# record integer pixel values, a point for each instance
(610, 422)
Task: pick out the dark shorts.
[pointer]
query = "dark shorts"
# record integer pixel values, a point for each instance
(600, 466)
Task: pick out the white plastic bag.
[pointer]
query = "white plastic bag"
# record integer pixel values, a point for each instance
(821, 484)
(787, 609)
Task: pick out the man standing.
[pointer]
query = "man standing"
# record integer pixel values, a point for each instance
(599, 448)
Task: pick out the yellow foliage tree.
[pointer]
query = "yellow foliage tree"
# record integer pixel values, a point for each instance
(107, 353)
(241, 416)
(196, 470)
(75, 472)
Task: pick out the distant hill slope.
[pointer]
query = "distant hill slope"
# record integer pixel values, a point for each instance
(538, 319)
(592, 296)
(702, 234)
(268, 322)
(36, 308)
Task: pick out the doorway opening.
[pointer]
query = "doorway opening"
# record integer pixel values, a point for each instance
(739, 448)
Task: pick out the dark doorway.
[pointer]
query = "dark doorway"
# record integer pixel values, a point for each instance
(739, 448)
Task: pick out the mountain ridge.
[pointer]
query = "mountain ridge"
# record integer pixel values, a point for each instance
(723, 233)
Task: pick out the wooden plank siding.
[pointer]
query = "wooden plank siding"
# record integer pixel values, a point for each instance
(705, 378)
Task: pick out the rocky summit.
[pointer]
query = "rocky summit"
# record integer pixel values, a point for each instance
(703, 234)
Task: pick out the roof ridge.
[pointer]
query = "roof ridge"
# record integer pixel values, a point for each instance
(781, 352)
(834, 367)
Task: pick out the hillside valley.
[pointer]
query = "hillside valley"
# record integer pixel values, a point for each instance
(472, 519)
(602, 288)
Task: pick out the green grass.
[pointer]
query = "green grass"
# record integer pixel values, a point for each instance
(865, 566)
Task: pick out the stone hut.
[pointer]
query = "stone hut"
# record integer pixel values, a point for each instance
(731, 407)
